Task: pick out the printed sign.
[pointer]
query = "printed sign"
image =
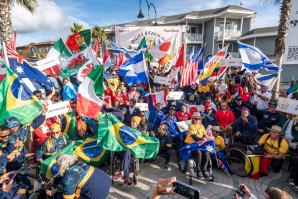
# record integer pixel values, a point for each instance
(162, 80)
(174, 95)
(233, 62)
(287, 105)
(58, 109)
(47, 63)
(142, 106)
(183, 125)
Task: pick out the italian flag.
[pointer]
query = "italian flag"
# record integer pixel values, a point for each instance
(88, 103)
(79, 41)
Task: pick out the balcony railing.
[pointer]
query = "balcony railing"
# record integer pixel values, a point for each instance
(194, 37)
(229, 34)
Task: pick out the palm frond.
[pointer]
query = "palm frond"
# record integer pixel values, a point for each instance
(30, 5)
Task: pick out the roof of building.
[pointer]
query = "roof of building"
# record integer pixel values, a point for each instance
(38, 44)
(173, 18)
(260, 32)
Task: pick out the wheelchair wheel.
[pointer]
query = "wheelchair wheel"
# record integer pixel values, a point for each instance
(183, 165)
(238, 162)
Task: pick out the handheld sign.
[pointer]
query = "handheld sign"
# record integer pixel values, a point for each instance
(142, 106)
(174, 95)
(58, 109)
(183, 125)
(287, 105)
(162, 80)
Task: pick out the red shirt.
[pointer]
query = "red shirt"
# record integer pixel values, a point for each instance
(246, 96)
(224, 118)
(183, 116)
(120, 97)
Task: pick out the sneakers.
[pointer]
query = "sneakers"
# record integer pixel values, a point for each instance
(166, 164)
(290, 182)
(200, 175)
(117, 177)
(128, 182)
(208, 175)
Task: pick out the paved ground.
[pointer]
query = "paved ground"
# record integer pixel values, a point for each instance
(223, 187)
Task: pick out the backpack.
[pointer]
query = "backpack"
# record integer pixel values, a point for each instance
(279, 140)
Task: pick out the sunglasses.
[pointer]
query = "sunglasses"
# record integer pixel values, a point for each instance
(55, 132)
(209, 109)
(142, 115)
(196, 118)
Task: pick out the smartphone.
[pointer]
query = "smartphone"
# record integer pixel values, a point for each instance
(14, 175)
(186, 190)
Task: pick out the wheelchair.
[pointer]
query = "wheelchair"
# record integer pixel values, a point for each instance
(238, 160)
(115, 165)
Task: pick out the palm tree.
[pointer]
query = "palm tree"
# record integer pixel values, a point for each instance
(281, 37)
(5, 15)
(76, 28)
(99, 34)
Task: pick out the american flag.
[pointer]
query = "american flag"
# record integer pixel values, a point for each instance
(189, 71)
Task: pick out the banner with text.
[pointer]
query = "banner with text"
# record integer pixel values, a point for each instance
(287, 105)
(130, 37)
(142, 106)
(175, 95)
(58, 109)
(162, 80)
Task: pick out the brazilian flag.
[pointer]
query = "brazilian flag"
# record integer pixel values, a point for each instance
(17, 100)
(88, 150)
(70, 124)
(113, 135)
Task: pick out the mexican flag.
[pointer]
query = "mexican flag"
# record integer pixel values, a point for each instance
(79, 41)
(88, 103)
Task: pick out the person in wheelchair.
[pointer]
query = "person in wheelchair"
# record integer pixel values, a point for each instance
(219, 141)
(166, 142)
(275, 147)
(196, 132)
(125, 158)
(246, 128)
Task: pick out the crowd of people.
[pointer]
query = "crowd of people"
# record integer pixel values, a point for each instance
(237, 108)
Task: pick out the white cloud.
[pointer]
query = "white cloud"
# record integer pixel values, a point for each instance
(49, 20)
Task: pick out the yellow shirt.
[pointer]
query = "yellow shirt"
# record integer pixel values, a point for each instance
(271, 146)
(206, 88)
(193, 129)
(219, 143)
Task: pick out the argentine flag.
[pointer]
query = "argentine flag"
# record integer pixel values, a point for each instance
(253, 59)
(134, 70)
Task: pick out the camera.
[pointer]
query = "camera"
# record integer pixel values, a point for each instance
(240, 192)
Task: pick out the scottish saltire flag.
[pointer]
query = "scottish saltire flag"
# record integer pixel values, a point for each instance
(207, 144)
(113, 135)
(134, 70)
(253, 59)
(70, 91)
(268, 80)
(17, 100)
(25, 70)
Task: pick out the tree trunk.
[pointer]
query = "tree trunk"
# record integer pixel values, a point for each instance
(100, 47)
(280, 41)
(5, 21)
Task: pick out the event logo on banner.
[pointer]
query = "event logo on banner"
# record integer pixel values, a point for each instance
(130, 37)
(291, 49)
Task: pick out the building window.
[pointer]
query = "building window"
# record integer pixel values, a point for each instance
(47, 49)
(33, 51)
(190, 47)
(229, 25)
(193, 30)
(40, 50)
(20, 52)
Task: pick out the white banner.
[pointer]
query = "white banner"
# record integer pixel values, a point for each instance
(174, 95)
(58, 109)
(142, 106)
(47, 63)
(183, 125)
(233, 62)
(287, 105)
(291, 46)
(162, 80)
(130, 37)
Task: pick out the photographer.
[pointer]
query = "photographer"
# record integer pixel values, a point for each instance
(243, 192)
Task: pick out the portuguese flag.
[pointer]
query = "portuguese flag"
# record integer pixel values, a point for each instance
(79, 41)
(88, 103)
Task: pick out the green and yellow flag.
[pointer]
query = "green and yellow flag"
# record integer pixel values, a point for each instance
(113, 135)
(17, 100)
(70, 125)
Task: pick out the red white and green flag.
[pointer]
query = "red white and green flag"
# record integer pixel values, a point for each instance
(88, 103)
(79, 41)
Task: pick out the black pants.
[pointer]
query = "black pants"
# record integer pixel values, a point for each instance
(277, 164)
(167, 152)
(202, 159)
(125, 157)
(293, 168)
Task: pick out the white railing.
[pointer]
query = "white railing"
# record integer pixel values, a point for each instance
(194, 37)
(229, 34)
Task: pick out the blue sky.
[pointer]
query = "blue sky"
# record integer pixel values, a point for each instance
(53, 18)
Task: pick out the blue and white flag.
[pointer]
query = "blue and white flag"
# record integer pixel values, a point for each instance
(134, 70)
(253, 59)
(267, 80)
(70, 91)
(128, 53)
